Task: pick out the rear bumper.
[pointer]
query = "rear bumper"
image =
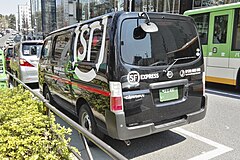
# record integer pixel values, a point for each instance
(29, 75)
(116, 124)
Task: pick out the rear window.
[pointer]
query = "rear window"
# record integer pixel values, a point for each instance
(31, 49)
(174, 39)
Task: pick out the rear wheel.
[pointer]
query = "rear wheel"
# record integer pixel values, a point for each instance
(86, 120)
(47, 95)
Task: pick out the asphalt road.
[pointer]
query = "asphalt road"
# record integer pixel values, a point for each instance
(215, 137)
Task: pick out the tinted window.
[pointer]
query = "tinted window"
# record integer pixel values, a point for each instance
(236, 31)
(202, 23)
(62, 46)
(46, 48)
(220, 29)
(174, 39)
(31, 49)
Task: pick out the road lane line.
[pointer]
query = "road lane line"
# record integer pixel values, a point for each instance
(220, 149)
(222, 93)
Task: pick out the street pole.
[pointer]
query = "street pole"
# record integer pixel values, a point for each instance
(130, 5)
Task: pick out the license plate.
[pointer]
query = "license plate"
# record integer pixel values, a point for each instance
(168, 94)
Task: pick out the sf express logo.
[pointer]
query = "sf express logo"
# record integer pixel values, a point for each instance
(86, 51)
(134, 77)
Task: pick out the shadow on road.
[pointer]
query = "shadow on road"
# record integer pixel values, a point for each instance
(223, 90)
(145, 145)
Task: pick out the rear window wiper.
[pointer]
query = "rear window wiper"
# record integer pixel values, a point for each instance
(175, 60)
(158, 63)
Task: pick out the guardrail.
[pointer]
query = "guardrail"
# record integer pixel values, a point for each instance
(84, 133)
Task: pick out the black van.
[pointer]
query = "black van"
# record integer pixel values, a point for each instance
(126, 74)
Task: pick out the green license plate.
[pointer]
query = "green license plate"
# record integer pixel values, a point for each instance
(168, 94)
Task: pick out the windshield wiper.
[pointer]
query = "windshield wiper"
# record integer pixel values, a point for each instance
(175, 60)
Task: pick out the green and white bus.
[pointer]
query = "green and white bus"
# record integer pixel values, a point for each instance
(219, 32)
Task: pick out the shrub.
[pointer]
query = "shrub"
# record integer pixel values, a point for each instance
(25, 132)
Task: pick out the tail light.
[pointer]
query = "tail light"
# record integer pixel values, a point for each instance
(25, 63)
(116, 101)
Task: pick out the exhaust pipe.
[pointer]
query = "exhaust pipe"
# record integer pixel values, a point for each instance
(127, 142)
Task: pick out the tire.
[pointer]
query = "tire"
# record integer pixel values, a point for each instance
(86, 120)
(47, 95)
(238, 80)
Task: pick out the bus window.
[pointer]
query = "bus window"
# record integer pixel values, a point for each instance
(236, 31)
(220, 29)
(202, 23)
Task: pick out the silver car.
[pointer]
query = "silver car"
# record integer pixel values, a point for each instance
(25, 60)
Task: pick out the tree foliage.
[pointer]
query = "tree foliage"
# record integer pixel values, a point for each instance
(12, 21)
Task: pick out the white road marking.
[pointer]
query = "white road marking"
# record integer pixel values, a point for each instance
(220, 149)
(223, 93)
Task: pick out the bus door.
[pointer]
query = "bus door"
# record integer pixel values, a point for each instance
(219, 39)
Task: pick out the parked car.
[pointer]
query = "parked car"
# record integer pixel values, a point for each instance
(126, 74)
(8, 55)
(25, 60)
(3, 76)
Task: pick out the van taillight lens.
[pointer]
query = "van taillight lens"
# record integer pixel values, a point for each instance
(25, 63)
(116, 102)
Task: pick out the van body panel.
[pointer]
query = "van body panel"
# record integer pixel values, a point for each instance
(161, 81)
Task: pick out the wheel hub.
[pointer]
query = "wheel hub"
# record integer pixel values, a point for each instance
(86, 122)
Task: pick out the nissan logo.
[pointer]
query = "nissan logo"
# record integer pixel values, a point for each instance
(169, 74)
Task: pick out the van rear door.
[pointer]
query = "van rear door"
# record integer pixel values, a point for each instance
(160, 72)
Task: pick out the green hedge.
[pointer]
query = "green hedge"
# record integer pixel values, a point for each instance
(25, 131)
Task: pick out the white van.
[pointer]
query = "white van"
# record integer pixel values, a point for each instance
(25, 60)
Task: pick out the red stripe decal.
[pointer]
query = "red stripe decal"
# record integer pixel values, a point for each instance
(90, 89)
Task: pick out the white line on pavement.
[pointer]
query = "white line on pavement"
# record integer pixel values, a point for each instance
(223, 93)
(220, 149)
